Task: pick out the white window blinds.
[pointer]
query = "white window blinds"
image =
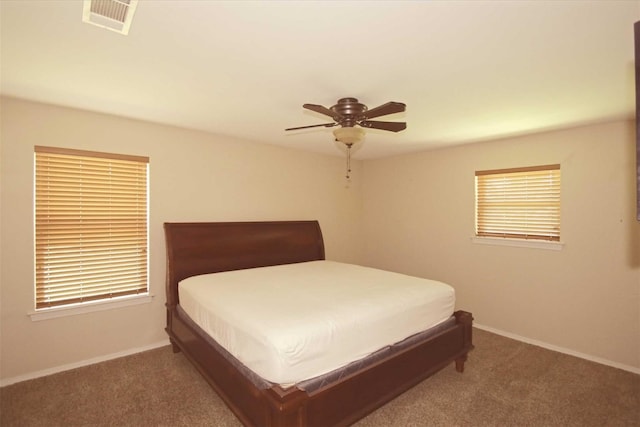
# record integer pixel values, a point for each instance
(90, 226)
(519, 203)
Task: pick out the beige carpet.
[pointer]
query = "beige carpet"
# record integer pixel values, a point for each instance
(505, 383)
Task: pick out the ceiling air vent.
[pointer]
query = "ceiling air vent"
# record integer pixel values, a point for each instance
(114, 15)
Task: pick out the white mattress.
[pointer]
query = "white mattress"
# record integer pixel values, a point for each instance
(293, 322)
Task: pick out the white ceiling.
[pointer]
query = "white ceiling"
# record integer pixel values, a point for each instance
(467, 70)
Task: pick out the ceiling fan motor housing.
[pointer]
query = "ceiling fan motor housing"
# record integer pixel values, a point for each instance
(350, 109)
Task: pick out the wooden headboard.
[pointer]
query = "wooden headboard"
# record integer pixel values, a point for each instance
(209, 247)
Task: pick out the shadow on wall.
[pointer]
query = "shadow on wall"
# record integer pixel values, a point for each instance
(634, 244)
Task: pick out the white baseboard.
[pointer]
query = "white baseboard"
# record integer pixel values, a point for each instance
(559, 349)
(55, 370)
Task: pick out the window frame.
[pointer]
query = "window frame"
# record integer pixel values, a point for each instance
(128, 214)
(516, 207)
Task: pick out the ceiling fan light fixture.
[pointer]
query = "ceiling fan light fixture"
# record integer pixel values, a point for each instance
(348, 135)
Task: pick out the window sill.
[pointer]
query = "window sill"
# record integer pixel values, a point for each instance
(89, 307)
(521, 243)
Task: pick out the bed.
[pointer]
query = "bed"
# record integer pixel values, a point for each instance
(336, 397)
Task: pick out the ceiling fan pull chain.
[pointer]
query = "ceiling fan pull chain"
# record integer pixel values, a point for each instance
(348, 160)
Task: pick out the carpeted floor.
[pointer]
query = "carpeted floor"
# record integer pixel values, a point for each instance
(505, 383)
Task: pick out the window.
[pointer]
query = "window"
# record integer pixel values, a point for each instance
(91, 226)
(521, 203)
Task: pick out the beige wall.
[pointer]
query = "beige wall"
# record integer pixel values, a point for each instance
(193, 177)
(412, 214)
(419, 218)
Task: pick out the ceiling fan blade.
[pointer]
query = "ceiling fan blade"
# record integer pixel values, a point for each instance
(384, 109)
(390, 126)
(327, 125)
(322, 110)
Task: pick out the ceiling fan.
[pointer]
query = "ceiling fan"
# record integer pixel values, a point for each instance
(349, 113)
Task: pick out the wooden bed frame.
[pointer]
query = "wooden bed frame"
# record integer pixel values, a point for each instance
(199, 248)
